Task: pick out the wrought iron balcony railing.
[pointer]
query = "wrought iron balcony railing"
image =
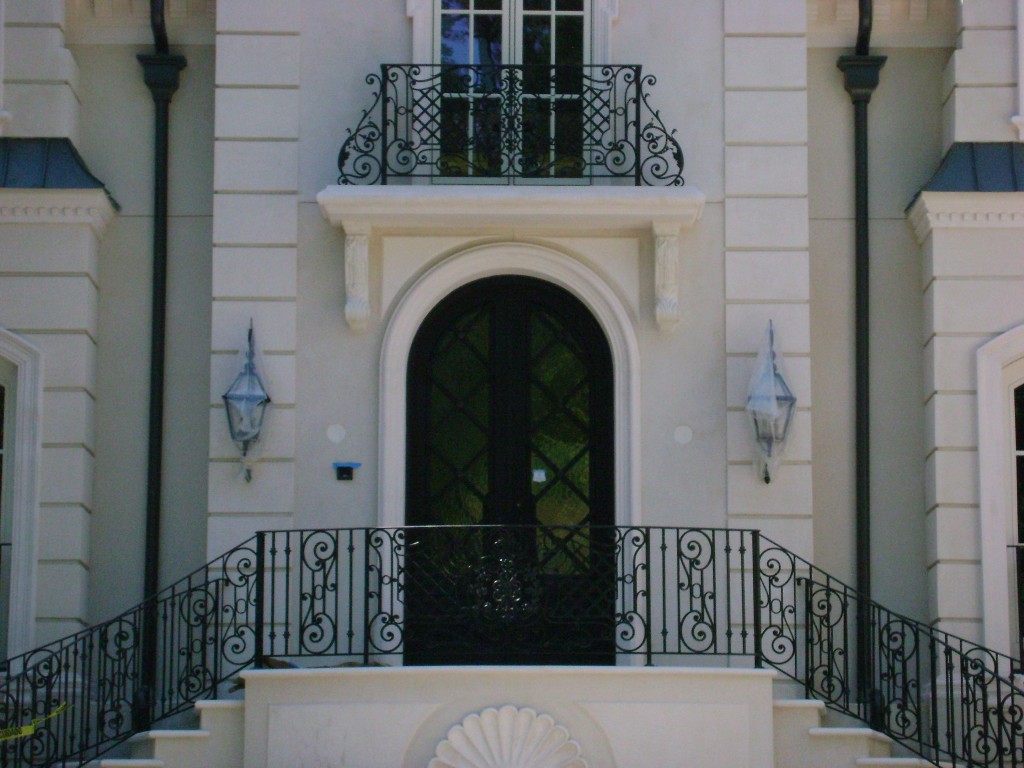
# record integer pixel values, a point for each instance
(476, 124)
(512, 595)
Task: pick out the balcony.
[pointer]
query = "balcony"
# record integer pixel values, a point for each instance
(560, 125)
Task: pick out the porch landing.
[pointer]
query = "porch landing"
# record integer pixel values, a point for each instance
(617, 717)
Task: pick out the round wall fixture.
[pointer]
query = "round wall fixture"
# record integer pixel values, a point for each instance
(508, 738)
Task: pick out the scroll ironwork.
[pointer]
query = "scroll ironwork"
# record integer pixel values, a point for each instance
(487, 123)
(514, 594)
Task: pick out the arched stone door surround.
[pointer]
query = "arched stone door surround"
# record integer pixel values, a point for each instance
(490, 260)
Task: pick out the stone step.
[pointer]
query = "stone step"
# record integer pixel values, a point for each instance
(175, 747)
(846, 745)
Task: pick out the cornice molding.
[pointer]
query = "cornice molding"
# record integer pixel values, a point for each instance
(139, 9)
(126, 22)
(442, 207)
(57, 206)
(833, 23)
(884, 10)
(966, 210)
(505, 211)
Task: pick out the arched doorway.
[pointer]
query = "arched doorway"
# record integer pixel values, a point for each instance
(510, 422)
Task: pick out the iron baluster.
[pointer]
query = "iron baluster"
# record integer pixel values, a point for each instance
(366, 598)
(648, 578)
(350, 633)
(809, 658)
(258, 651)
(755, 555)
(664, 592)
(384, 69)
(637, 127)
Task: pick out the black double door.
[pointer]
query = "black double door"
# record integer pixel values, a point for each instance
(510, 461)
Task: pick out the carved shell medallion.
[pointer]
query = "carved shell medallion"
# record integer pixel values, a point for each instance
(508, 738)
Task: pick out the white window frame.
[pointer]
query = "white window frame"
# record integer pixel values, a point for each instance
(24, 479)
(604, 13)
(998, 374)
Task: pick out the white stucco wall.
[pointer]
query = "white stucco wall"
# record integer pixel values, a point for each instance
(905, 149)
(117, 142)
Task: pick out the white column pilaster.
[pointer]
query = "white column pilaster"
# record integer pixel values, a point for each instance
(766, 251)
(980, 82)
(40, 75)
(255, 261)
(49, 295)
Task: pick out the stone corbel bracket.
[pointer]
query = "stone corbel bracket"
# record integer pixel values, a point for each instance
(666, 274)
(357, 275)
(450, 209)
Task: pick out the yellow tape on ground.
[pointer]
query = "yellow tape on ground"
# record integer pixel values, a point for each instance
(6, 734)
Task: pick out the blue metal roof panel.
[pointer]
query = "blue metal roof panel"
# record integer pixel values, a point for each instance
(52, 163)
(980, 167)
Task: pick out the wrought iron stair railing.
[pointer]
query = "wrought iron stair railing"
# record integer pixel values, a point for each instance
(487, 123)
(396, 596)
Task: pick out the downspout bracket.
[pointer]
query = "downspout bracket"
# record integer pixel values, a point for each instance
(161, 72)
(861, 75)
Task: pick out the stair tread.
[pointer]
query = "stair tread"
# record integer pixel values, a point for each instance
(220, 704)
(169, 734)
(799, 704)
(852, 732)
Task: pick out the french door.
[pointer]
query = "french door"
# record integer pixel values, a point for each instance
(510, 457)
(512, 101)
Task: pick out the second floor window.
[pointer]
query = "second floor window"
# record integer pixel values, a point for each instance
(528, 32)
(512, 86)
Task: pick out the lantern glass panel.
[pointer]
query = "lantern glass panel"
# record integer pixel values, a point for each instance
(246, 403)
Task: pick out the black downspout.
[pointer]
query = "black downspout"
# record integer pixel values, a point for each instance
(860, 77)
(161, 72)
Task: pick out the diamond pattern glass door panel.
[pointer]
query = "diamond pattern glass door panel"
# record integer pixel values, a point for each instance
(510, 424)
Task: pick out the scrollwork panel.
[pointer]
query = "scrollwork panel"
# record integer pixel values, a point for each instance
(496, 122)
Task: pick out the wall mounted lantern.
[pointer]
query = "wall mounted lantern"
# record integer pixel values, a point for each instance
(246, 404)
(770, 405)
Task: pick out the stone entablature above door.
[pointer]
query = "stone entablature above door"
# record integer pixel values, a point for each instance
(512, 213)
